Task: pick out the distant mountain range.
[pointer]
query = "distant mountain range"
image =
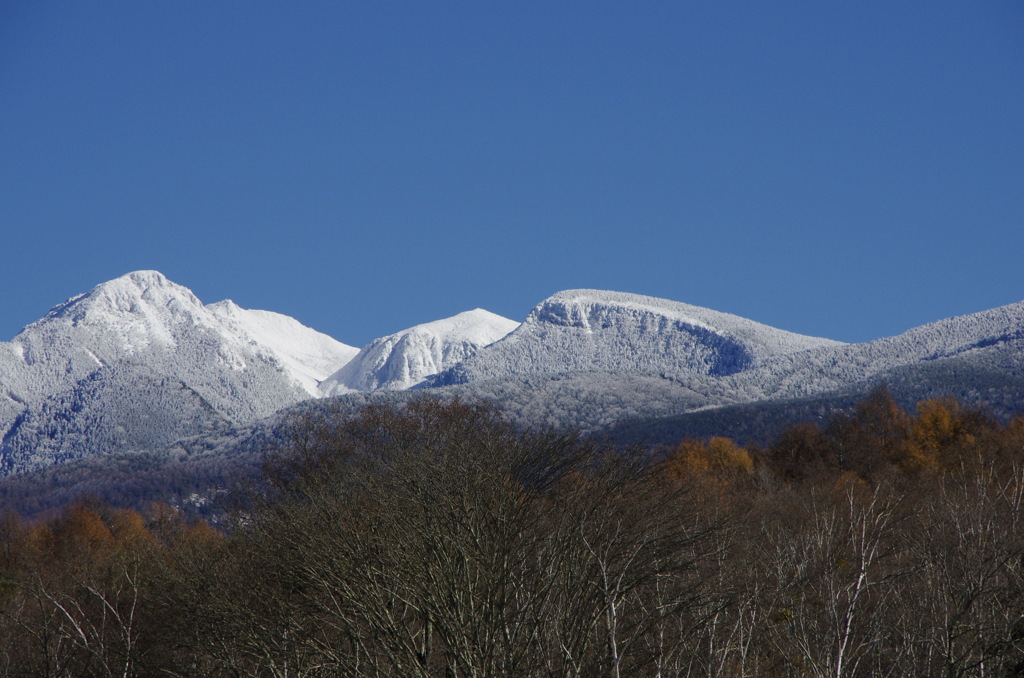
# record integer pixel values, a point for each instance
(140, 368)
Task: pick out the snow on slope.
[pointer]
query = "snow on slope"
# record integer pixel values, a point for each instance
(309, 356)
(404, 359)
(140, 361)
(125, 407)
(833, 367)
(592, 330)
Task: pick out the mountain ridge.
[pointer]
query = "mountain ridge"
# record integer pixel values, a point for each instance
(618, 331)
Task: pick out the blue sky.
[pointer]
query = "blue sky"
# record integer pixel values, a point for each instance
(843, 169)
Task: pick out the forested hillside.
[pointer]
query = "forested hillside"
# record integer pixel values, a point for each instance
(434, 539)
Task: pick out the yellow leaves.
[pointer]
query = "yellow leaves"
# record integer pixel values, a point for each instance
(728, 456)
(83, 531)
(129, 529)
(719, 458)
(939, 435)
(202, 536)
(938, 424)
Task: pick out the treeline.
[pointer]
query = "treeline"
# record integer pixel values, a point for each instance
(439, 541)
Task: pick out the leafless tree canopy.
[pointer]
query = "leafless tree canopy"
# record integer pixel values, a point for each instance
(439, 541)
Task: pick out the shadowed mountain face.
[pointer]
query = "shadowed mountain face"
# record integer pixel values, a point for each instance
(124, 407)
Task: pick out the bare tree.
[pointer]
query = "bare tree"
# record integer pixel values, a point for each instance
(440, 541)
(969, 544)
(834, 579)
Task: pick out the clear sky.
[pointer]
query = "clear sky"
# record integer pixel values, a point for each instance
(843, 169)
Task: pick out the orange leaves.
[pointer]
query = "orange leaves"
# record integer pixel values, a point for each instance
(202, 536)
(726, 456)
(89, 535)
(719, 461)
(84, 525)
(943, 435)
(879, 439)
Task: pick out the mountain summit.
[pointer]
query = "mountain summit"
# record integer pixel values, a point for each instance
(143, 315)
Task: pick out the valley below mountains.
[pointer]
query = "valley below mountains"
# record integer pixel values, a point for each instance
(139, 377)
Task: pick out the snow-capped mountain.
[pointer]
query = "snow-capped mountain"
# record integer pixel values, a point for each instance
(405, 359)
(593, 330)
(242, 364)
(143, 314)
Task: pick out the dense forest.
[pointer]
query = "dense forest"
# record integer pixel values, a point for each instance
(438, 540)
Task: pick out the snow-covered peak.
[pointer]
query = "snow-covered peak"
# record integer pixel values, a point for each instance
(478, 326)
(146, 318)
(129, 294)
(133, 312)
(405, 359)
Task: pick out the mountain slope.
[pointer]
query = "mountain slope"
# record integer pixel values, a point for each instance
(307, 355)
(140, 366)
(405, 359)
(125, 407)
(829, 368)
